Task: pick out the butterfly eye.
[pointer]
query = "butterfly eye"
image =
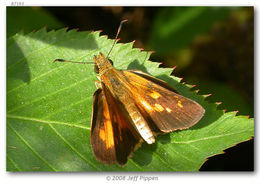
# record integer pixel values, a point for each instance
(110, 61)
(96, 69)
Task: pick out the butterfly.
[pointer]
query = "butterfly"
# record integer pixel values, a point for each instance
(131, 107)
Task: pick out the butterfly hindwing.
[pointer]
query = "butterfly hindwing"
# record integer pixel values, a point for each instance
(112, 137)
(160, 103)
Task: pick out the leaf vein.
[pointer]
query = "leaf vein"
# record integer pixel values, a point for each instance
(71, 147)
(53, 70)
(162, 160)
(46, 122)
(182, 155)
(30, 147)
(135, 164)
(68, 106)
(37, 50)
(13, 162)
(208, 138)
(45, 96)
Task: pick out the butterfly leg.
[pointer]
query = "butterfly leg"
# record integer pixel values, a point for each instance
(98, 84)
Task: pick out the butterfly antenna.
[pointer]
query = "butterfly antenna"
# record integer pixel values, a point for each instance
(118, 31)
(66, 61)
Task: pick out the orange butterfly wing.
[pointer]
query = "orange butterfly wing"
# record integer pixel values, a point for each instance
(161, 105)
(113, 138)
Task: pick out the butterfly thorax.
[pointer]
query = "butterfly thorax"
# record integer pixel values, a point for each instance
(103, 63)
(110, 77)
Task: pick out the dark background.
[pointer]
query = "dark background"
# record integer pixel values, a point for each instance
(212, 47)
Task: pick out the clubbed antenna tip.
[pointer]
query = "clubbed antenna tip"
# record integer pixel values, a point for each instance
(58, 60)
(118, 31)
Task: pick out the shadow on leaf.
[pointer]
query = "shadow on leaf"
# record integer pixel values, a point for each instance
(143, 156)
(16, 60)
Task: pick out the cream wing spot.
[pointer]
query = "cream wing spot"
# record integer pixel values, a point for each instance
(158, 107)
(179, 104)
(168, 110)
(146, 105)
(155, 95)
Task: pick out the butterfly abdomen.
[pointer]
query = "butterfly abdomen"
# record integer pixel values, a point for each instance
(140, 123)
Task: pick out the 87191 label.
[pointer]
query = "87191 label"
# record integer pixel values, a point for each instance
(17, 3)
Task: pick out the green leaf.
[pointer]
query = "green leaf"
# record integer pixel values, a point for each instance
(49, 108)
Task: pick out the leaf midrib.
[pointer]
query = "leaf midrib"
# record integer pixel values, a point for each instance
(88, 128)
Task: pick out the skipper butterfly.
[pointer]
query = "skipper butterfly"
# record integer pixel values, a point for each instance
(131, 107)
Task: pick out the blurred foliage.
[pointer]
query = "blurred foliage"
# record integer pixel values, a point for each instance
(225, 56)
(181, 25)
(29, 19)
(223, 94)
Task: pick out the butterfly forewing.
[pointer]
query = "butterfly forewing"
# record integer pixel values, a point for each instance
(160, 104)
(113, 137)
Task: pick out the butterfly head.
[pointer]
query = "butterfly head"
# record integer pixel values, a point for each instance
(102, 64)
